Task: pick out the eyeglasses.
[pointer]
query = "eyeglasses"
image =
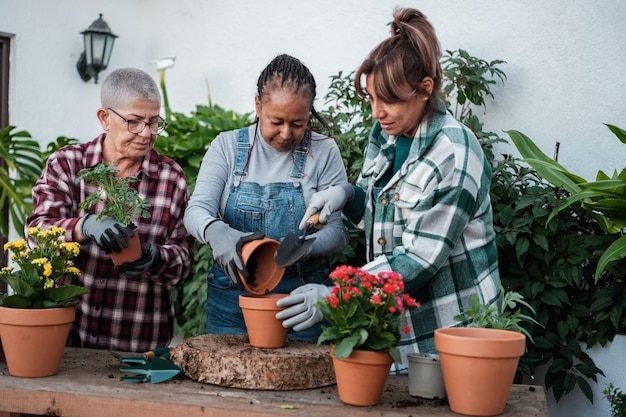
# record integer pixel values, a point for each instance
(137, 126)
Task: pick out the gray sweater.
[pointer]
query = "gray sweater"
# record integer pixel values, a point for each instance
(323, 168)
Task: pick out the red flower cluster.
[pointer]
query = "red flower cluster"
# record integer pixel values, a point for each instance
(355, 282)
(364, 310)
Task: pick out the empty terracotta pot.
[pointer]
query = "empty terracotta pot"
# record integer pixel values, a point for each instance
(259, 313)
(258, 257)
(478, 367)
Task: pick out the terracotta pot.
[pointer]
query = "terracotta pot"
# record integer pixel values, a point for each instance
(361, 377)
(129, 254)
(478, 367)
(34, 339)
(425, 376)
(259, 313)
(258, 257)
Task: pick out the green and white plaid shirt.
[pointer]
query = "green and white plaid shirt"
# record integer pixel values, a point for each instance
(432, 223)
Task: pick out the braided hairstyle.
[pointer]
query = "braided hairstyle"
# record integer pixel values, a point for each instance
(285, 71)
(403, 60)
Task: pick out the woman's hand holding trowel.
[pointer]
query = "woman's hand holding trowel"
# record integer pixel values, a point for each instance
(327, 202)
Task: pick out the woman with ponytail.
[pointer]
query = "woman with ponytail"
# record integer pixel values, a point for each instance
(423, 192)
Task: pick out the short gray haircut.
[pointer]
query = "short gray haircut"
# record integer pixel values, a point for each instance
(126, 85)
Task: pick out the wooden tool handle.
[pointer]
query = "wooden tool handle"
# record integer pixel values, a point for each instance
(313, 220)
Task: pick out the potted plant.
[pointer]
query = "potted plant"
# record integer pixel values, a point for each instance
(42, 305)
(117, 199)
(364, 314)
(479, 361)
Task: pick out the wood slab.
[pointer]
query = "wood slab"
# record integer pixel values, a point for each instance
(230, 361)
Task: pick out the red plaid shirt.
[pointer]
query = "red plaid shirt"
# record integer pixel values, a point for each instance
(119, 313)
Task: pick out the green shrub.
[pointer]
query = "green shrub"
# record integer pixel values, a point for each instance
(185, 140)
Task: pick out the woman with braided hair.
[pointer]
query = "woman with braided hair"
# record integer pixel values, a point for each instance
(268, 171)
(423, 191)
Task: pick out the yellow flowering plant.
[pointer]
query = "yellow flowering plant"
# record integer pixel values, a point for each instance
(44, 276)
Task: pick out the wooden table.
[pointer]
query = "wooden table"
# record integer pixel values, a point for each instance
(88, 384)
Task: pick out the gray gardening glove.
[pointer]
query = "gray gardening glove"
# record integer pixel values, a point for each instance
(226, 244)
(328, 201)
(301, 312)
(150, 257)
(108, 233)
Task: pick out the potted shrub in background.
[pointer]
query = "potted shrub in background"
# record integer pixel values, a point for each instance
(35, 319)
(364, 314)
(116, 198)
(479, 361)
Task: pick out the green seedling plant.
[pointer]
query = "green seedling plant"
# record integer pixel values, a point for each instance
(508, 316)
(121, 201)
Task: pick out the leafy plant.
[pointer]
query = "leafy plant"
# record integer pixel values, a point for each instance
(508, 316)
(467, 83)
(185, 140)
(20, 166)
(617, 398)
(120, 200)
(364, 311)
(43, 279)
(350, 120)
(604, 199)
(551, 265)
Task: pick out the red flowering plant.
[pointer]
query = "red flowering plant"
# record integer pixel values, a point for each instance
(364, 311)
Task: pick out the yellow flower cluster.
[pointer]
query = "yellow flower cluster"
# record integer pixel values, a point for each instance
(50, 258)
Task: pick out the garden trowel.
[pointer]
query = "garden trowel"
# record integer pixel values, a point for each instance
(293, 248)
(154, 366)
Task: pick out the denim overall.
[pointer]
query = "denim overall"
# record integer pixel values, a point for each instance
(274, 209)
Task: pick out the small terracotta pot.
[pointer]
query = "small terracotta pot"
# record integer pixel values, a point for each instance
(478, 367)
(258, 257)
(129, 254)
(259, 313)
(34, 339)
(425, 377)
(361, 377)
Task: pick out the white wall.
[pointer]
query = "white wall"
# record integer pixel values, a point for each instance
(565, 58)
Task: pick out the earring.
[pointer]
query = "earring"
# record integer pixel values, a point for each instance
(425, 98)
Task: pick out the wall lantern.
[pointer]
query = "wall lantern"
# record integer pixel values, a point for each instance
(98, 47)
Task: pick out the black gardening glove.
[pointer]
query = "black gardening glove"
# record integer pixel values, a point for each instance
(150, 257)
(109, 234)
(233, 267)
